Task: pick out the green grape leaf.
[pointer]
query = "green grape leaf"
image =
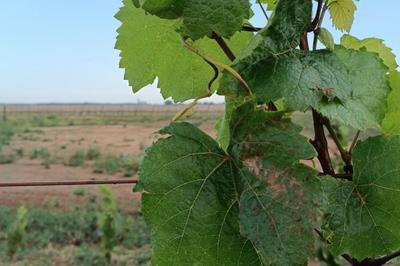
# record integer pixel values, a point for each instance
(326, 38)
(267, 134)
(150, 47)
(359, 88)
(391, 122)
(224, 17)
(168, 9)
(223, 125)
(190, 201)
(276, 208)
(362, 216)
(347, 85)
(289, 20)
(373, 45)
(342, 13)
(279, 216)
(201, 18)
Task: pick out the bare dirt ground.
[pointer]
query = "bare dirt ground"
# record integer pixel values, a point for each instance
(63, 142)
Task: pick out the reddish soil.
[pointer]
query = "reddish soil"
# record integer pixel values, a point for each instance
(62, 142)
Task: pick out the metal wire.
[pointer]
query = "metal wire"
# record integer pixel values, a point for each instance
(68, 183)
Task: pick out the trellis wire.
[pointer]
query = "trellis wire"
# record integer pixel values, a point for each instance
(68, 183)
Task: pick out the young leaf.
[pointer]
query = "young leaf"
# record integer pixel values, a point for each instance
(363, 215)
(190, 201)
(326, 38)
(373, 45)
(342, 13)
(276, 208)
(150, 48)
(391, 123)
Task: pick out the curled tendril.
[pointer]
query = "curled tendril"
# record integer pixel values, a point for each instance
(218, 64)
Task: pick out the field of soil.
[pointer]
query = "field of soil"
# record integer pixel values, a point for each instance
(78, 142)
(61, 142)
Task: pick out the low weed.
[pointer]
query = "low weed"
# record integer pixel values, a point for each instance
(81, 229)
(77, 159)
(7, 158)
(93, 154)
(126, 164)
(40, 153)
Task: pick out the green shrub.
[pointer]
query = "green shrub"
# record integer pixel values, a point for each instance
(89, 257)
(111, 164)
(19, 152)
(79, 192)
(77, 159)
(93, 154)
(40, 153)
(80, 226)
(16, 235)
(130, 165)
(108, 221)
(7, 159)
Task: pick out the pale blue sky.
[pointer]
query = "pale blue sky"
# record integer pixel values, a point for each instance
(63, 51)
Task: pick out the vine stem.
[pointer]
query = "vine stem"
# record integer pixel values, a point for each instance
(346, 156)
(353, 143)
(263, 9)
(321, 144)
(316, 20)
(319, 22)
(224, 46)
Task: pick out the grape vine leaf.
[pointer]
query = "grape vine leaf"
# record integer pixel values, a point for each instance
(276, 207)
(342, 13)
(223, 125)
(224, 17)
(373, 45)
(150, 47)
(290, 18)
(257, 132)
(391, 122)
(190, 201)
(362, 216)
(201, 18)
(167, 9)
(326, 38)
(347, 85)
